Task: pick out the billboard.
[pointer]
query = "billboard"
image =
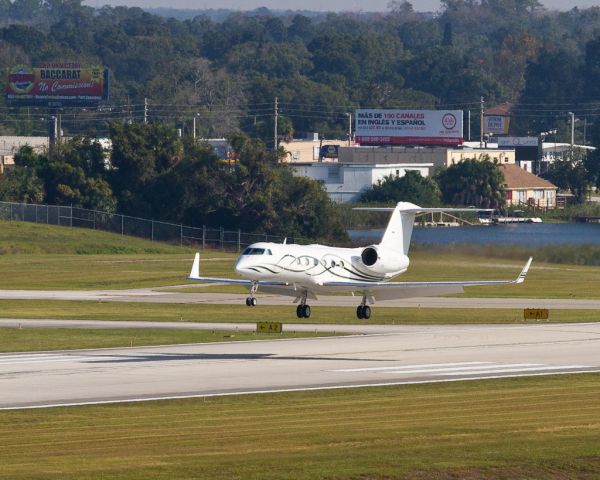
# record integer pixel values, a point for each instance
(57, 84)
(409, 127)
(496, 124)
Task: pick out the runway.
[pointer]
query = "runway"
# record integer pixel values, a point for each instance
(150, 295)
(411, 354)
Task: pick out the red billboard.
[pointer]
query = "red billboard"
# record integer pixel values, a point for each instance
(57, 84)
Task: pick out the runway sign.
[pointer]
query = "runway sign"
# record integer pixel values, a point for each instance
(269, 327)
(535, 314)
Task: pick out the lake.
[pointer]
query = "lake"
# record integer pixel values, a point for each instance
(530, 234)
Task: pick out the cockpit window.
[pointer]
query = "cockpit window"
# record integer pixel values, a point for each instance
(255, 251)
(268, 252)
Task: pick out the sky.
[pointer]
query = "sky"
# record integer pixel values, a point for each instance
(317, 5)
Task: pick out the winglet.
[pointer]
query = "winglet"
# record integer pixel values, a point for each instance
(521, 277)
(195, 273)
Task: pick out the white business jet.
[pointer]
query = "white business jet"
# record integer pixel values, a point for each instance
(302, 271)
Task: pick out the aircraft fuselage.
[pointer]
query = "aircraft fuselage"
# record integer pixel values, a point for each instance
(309, 265)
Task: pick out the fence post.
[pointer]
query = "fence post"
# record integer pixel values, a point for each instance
(239, 239)
(122, 224)
(152, 229)
(181, 236)
(94, 219)
(71, 219)
(203, 236)
(222, 235)
(47, 215)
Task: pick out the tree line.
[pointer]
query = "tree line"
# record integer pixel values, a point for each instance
(321, 67)
(153, 173)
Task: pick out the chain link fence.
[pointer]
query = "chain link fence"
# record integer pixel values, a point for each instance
(153, 230)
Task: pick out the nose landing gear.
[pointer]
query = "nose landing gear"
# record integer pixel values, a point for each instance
(251, 300)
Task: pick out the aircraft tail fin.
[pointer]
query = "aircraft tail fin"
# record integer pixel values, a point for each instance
(399, 230)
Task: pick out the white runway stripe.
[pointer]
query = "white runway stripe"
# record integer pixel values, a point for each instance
(44, 358)
(400, 367)
(519, 370)
(465, 368)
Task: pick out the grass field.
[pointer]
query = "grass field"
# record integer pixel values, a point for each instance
(513, 428)
(240, 313)
(43, 339)
(46, 257)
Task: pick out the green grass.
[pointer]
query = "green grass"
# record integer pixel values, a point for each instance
(43, 339)
(147, 264)
(33, 239)
(71, 310)
(512, 428)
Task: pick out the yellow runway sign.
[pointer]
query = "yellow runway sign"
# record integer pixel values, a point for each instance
(535, 314)
(269, 327)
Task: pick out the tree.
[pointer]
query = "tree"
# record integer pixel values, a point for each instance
(572, 176)
(411, 187)
(472, 182)
(140, 153)
(21, 184)
(304, 208)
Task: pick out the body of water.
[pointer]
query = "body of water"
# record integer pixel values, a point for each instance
(528, 235)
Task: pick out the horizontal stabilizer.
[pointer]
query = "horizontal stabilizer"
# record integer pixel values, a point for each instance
(407, 207)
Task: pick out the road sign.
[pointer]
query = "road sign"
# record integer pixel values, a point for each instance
(535, 314)
(269, 327)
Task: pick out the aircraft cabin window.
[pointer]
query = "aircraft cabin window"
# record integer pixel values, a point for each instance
(333, 263)
(316, 262)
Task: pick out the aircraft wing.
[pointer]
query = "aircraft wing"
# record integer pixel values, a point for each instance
(195, 275)
(396, 290)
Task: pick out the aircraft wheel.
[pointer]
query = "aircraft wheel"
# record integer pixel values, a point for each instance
(359, 312)
(299, 312)
(366, 312)
(306, 311)
(248, 301)
(253, 301)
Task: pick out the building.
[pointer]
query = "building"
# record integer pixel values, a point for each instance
(6, 163)
(10, 144)
(311, 149)
(436, 156)
(526, 189)
(345, 181)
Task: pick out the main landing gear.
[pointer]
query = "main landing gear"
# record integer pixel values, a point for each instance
(363, 311)
(251, 300)
(303, 310)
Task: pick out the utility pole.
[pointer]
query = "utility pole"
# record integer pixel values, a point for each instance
(481, 106)
(275, 140)
(145, 111)
(572, 134)
(349, 128)
(469, 125)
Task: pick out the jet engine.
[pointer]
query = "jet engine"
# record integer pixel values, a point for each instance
(382, 260)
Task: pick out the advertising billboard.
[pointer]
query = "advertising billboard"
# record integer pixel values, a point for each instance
(409, 127)
(496, 124)
(57, 84)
